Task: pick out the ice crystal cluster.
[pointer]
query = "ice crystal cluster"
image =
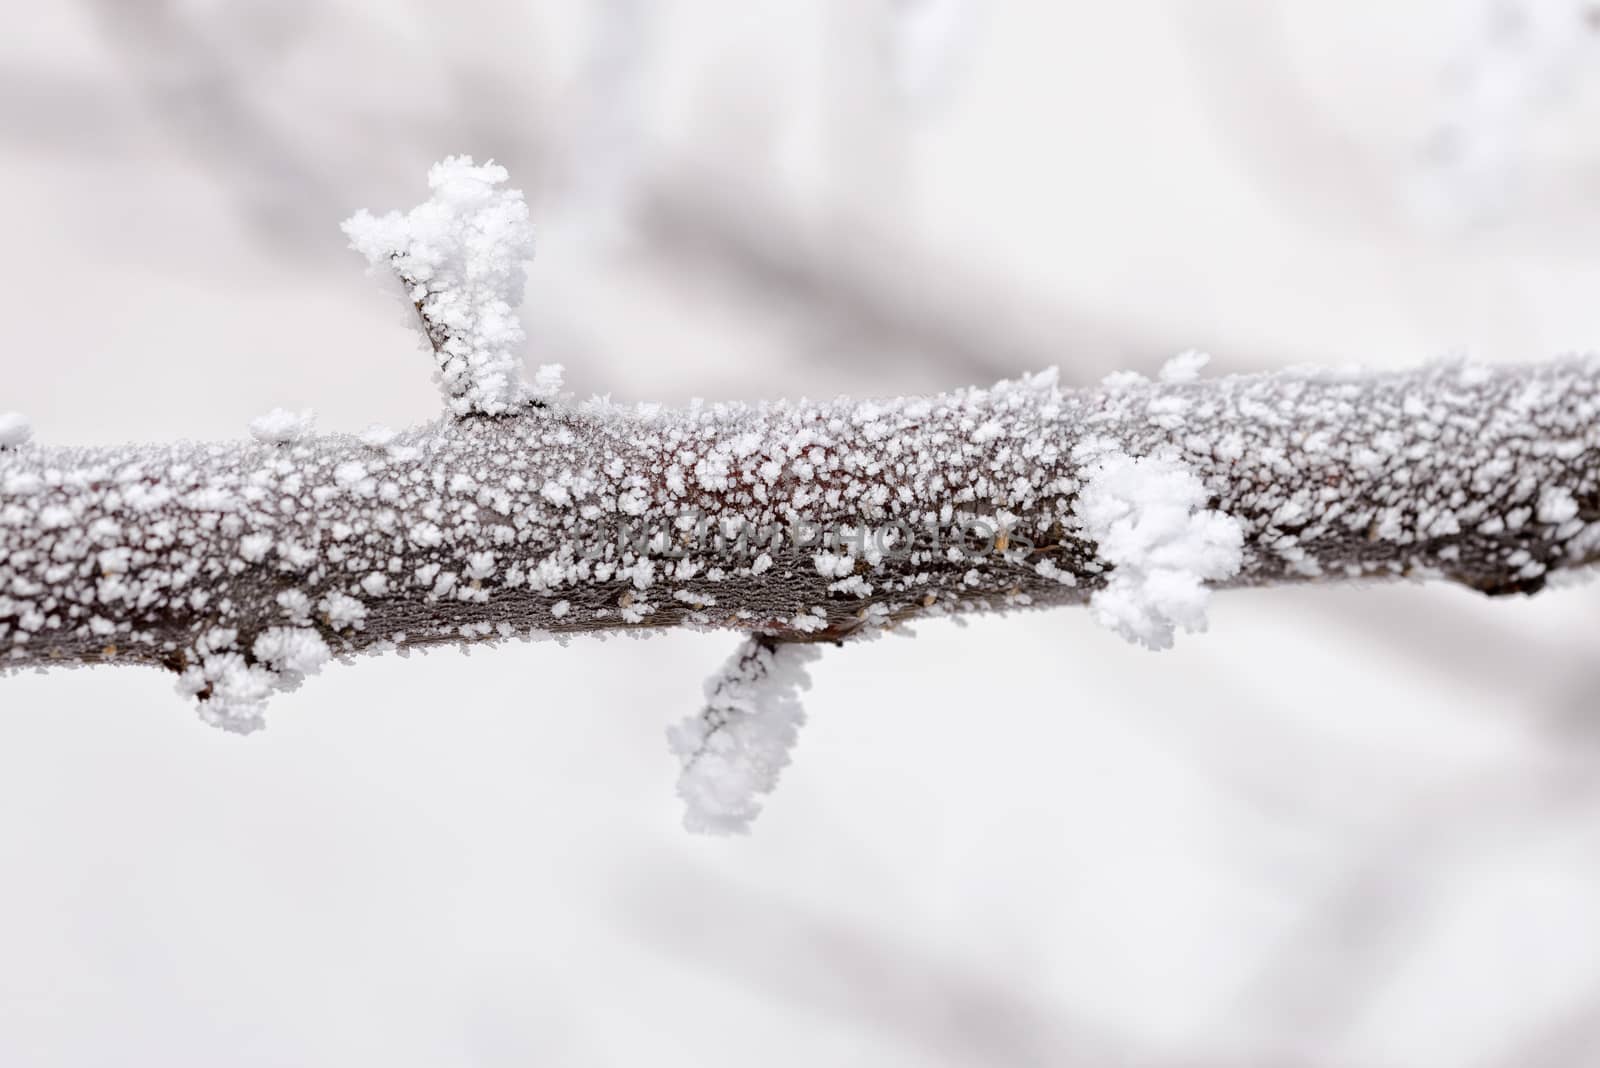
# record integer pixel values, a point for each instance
(236, 688)
(281, 426)
(243, 566)
(1147, 518)
(14, 429)
(461, 256)
(736, 747)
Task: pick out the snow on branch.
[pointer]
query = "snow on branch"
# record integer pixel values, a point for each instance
(1149, 520)
(798, 520)
(14, 429)
(243, 567)
(461, 256)
(735, 748)
(281, 426)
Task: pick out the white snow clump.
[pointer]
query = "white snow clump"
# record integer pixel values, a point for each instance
(740, 742)
(1184, 367)
(233, 691)
(281, 426)
(14, 430)
(461, 256)
(1149, 520)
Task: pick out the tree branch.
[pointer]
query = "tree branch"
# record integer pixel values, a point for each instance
(244, 566)
(484, 528)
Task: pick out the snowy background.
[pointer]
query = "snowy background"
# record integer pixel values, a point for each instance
(1347, 827)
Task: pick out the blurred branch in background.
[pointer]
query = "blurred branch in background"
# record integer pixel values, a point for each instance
(202, 81)
(873, 292)
(867, 978)
(604, 148)
(228, 85)
(1375, 909)
(1521, 61)
(928, 48)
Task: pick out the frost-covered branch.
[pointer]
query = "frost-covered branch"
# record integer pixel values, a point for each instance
(244, 566)
(592, 517)
(461, 256)
(737, 745)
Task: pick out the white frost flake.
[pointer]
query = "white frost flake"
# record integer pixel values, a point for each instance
(297, 651)
(295, 604)
(738, 745)
(462, 255)
(378, 436)
(234, 692)
(281, 426)
(1557, 505)
(1184, 367)
(342, 610)
(14, 430)
(1149, 520)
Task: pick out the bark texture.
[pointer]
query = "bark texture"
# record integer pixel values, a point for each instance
(205, 558)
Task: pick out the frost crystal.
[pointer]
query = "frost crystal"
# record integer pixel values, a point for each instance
(377, 436)
(461, 257)
(1557, 505)
(1184, 367)
(298, 651)
(342, 611)
(281, 426)
(1147, 517)
(233, 690)
(14, 429)
(739, 743)
(233, 693)
(547, 381)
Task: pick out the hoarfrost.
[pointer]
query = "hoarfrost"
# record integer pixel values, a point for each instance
(1557, 505)
(735, 749)
(298, 651)
(342, 611)
(1148, 519)
(282, 427)
(378, 436)
(1184, 367)
(461, 256)
(233, 690)
(14, 430)
(477, 528)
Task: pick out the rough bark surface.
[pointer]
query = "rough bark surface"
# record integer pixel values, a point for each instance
(480, 528)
